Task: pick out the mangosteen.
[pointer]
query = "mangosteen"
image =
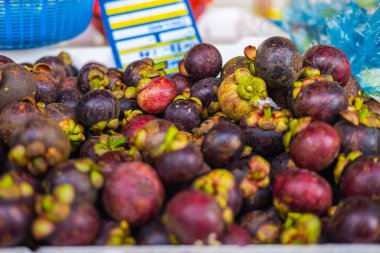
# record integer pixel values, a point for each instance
(69, 83)
(140, 69)
(46, 91)
(62, 221)
(133, 121)
(330, 61)
(134, 193)
(236, 63)
(236, 235)
(202, 61)
(153, 233)
(206, 90)
(38, 144)
(223, 144)
(264, 227)
(300, 190)
(93, 76)
(193, 217)
(278, 61)
(356, 220)
(70, 97)
(16, 82)
(182, 82)
(57, 66)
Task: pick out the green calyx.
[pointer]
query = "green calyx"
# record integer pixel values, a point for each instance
(108, 127)
(295, 126)
(74, 132)
(342, 163)
(218, 183)
(10, 190)
(52, 209)
(174, 140)
(250, 87)
(257, 177)
(268, 120)
(88, 166)
(120, 235)
(97, 79)
(35, 157)
(130, 92)
(129, 115)
(358, 114)
(300, 84)
(108, 143)
(194, 100)
(301, 229)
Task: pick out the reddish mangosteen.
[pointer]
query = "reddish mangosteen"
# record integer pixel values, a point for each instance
(134, 193)
(300, 190)
(182, 82)
(13, 115)
(154, 95)
(264, 227)
(133, 121)
(356, 220)
(330, 61)
(99, 110)
(314, 145)
(322, 100)
(236, 235)
(180, 166)
(114, 233)
(201, 61)
(264, 129)
(38, 144)
(223, 144)
(62, 221)
(82, 174)
(278, 61)
(193, 217)
(16, 82)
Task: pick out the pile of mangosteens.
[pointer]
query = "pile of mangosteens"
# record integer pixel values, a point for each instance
(274, 147)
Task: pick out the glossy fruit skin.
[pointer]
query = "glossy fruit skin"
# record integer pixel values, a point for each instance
(179, 167)
(357, 220)
(69, 97)
(257, 222)
(182, 82)
(362, 178)
(330, 61)
(153, 233)
(316, 147)
(80, 228)
(133, 192)
(135, 124)
(205, 90)
(16, 82)
(59, 111)
(183, 114)
(13, 115)
(322, 100)
(362, 138)
(278, 61)
(109, 161)
(193, 215)
(202, 61)
(157, 95)
(236, 235)
(15, 218)
(46, 91)
(223, 144)
(57, 66)
(96, 106)
(300, 190)
(267, 143)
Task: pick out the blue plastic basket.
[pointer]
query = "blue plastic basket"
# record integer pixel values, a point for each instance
(36, 23)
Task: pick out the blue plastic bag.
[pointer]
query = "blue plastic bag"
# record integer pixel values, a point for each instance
(352, 26)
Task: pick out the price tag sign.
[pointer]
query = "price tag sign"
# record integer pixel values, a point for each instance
(159, 29)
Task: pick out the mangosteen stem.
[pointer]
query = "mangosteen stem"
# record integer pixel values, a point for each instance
(267, 111)
(160, 65)
(118, 142)
(250, 52)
